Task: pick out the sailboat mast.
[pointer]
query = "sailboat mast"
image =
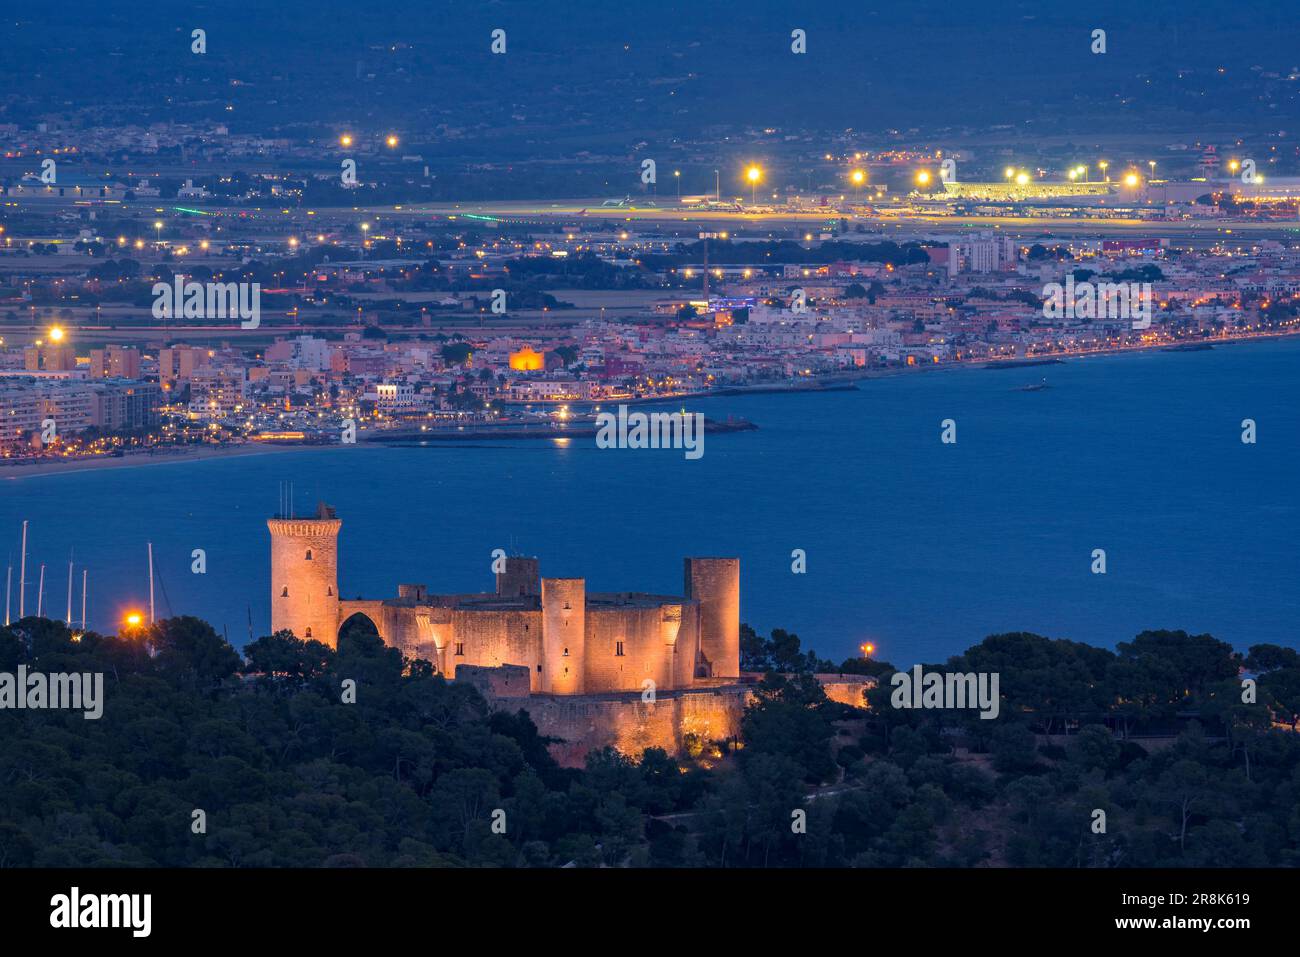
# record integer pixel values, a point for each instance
(22, 577)
(151, 614)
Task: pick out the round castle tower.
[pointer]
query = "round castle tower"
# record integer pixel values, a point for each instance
(715, 584)
(564, 635)
(305, 575)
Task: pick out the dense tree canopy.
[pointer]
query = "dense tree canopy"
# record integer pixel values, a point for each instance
(417, 771)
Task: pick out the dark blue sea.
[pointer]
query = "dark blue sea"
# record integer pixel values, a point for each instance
(920, 547)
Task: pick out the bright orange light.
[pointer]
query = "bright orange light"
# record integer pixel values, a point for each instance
(133, 619)
(868, 649)
(1131, 179)
(345, 139)
(527, 360)
(923, 177)
(858, 177)
(56, 334)
(753, 174)
(391, 141)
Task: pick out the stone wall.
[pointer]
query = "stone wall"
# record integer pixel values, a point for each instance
(587, 722)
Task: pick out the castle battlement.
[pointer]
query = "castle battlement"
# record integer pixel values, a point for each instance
(567, 640)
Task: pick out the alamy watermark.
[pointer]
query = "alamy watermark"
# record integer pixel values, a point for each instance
(947, 690)
(1102, 300)
(654, 430)
(36, 690)
(214, 300)
(74, 910)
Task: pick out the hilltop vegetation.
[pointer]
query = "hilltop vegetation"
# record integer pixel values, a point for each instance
(416, 771)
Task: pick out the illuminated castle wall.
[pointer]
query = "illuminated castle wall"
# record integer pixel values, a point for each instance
(571, 641)
(577, 661)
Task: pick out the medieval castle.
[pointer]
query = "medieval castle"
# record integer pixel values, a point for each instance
(626, 669)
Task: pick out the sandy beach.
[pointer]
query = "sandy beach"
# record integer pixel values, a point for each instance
(10, 470)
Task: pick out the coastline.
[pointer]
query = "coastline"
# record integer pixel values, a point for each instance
(178, 456)
(837, 382)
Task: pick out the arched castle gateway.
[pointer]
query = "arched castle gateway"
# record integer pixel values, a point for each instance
(570, 641)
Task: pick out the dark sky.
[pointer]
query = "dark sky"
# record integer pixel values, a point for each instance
(625, 66)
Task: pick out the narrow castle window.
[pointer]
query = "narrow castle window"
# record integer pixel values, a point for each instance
(618, 649)
(308, 555)
(460, 648)
(566, 652)
(308, 635)
(285, 593)
(329, 591)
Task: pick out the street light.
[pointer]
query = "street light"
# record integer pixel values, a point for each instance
(1103, 164)
(753, 174)
(677, 175)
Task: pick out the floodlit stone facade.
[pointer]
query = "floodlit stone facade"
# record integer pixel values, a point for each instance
(572, 641)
